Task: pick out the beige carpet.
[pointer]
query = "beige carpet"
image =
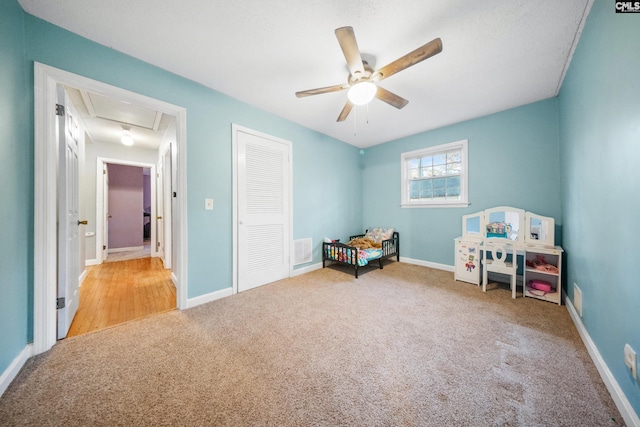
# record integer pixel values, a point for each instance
(403, 346)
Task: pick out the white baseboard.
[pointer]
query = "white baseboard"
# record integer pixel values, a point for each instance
(83, 276)
(451, 268)
(620, 399)
(129, 249)
(12, 370)
(306, 269)
(435, 265)
(203, 299)
(90, 262)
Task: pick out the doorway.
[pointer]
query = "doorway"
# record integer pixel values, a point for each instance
(46, 163)
(127, 199)
(127, 291)
(130, 282)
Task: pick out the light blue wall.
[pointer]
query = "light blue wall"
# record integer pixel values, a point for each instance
(600, 160)
(210, 115)
(323, 204)
(209, 118)
(16, 188)
(513, 161)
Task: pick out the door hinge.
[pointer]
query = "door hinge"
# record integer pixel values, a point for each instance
(59, 110)
(104, 172)
(60, 303)
(104, 247)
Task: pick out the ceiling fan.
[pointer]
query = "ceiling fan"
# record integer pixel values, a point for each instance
(362, 78)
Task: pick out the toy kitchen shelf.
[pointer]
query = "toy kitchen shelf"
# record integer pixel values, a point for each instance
(533, 237)
(543, 273)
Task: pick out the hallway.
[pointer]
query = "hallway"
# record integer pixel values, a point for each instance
(117, 292)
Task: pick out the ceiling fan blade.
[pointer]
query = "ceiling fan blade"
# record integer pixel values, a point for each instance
(391, 98)
(420, 54)
(321, 90)
(345, 111)
(347, 39)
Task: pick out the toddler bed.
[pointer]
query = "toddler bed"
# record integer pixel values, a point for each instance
(385, 242)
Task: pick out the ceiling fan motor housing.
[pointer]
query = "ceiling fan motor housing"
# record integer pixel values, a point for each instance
(359, 77)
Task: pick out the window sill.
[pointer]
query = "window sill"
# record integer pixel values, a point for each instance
(435, 205)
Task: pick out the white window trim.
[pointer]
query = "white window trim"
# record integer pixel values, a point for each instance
(464, 177)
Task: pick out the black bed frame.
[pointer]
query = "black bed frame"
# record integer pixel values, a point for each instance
(348, 255)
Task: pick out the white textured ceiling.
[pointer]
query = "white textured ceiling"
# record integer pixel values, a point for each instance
(105, 118)
(497, 54)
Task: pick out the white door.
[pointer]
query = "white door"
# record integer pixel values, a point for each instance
(68, 223)
(263, 205)
(105, 211)
(160, 209)
(166, 213)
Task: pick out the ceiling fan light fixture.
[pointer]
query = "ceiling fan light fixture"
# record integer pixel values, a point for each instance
(362, 93)
(126, 139)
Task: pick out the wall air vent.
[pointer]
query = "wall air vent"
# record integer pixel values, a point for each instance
(302, 251)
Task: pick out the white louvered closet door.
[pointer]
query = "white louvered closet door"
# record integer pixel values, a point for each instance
(263, 210)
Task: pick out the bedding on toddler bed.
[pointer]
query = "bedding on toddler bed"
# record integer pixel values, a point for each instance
(369, 248)
(364, 255)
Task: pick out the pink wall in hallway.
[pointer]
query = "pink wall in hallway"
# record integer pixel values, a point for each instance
(125, 206)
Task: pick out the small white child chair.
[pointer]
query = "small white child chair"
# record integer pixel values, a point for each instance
(498, 264)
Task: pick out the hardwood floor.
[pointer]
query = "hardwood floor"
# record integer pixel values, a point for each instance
(118, 292)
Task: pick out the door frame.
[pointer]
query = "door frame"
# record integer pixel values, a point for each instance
(167, 232)
(234, 153)
(45, 249)
(70, 140)
(100, 214)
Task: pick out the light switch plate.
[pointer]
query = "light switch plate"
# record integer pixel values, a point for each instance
(631, 360)
(208, 204)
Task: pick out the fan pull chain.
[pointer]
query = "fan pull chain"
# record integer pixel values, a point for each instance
(355, 121)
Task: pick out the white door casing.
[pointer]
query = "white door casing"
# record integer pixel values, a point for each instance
(69, 134)
(166, 199)
(46, 162)
(262, 208)
(159, 202)
(103, 213)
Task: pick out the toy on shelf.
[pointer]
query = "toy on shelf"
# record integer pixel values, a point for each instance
(498, 229)
(539, 263)
(505, 222)
(540, 288)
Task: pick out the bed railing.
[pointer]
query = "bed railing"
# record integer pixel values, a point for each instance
(348, 255)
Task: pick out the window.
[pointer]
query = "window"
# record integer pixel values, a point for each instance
(435, 176)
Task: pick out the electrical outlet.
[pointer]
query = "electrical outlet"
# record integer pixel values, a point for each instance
(208, 204)
(631, 360)
(577, 299)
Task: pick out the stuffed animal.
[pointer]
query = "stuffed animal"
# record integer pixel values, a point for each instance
(364, 243)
